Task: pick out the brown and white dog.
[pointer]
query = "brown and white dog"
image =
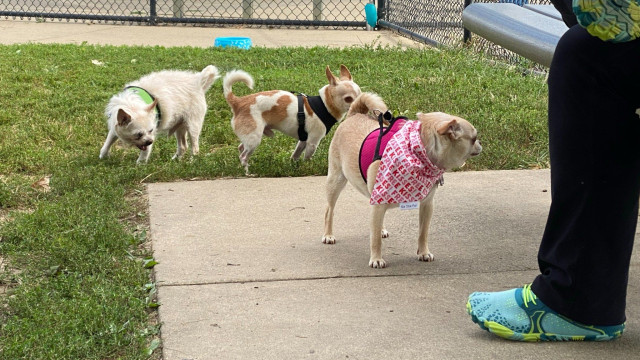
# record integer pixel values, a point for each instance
(448, 141)
(263, 112)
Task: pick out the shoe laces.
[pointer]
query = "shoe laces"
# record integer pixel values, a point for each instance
(528, 296)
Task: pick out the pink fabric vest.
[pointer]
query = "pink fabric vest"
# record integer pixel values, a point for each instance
(406, 173)
(368, 147)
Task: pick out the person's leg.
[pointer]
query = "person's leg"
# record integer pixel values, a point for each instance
(595, 178)
(595, 170)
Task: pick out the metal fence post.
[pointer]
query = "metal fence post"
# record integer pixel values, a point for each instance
(467, 34)
(247, 9)
(382, 10)
(153, 13)
(317, 9)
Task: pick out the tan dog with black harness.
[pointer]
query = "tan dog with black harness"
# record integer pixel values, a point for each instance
(404, 173)
(306, 118)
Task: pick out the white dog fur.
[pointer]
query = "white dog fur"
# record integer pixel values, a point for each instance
(180, 98)
(449, 141)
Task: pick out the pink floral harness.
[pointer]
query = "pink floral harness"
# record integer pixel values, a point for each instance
(406, 173)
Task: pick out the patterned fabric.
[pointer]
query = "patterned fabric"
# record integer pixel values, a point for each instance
(406, 174)
(609, 20)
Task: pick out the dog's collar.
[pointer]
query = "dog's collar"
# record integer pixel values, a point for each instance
(146, 97)
(318, 107)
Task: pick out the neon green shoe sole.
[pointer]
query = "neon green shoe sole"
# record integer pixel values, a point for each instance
(518, 314)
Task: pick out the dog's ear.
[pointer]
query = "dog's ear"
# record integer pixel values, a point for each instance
(345, 75)
(451, 128)
(152, 105)
(333, 80)
(123, 118)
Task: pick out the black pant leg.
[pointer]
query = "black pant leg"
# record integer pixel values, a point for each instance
(594, 133)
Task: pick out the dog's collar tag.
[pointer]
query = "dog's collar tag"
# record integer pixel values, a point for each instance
(409, 205)
(145, 96)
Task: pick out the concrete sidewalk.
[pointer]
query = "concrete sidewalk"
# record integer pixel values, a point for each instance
(53, 31)
(242, 272)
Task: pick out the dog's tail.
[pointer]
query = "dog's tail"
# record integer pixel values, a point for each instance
(233, 77)
(366, 103)
(208, 76)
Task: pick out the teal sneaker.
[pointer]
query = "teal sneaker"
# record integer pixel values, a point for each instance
(518, 314)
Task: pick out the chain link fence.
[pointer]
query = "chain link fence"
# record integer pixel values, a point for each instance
(435, 22)
(305, 13)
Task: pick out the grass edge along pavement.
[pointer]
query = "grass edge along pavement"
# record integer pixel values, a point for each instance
(75, 251)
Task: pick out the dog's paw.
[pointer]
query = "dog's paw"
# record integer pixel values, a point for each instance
(428, 257)
(328, 239)
(377, 263)
(384, 233)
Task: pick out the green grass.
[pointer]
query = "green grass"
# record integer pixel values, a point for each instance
(73, 258)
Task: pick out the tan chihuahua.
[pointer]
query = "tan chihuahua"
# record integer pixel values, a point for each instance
(406, 174)
(305, 118)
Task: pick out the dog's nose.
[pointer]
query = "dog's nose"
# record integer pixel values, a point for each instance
(148, 142)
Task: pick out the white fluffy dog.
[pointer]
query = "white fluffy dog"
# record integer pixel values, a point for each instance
(168, 101)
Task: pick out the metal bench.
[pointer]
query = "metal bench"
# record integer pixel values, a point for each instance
(531, 31)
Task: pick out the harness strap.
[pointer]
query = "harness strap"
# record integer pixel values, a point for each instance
(302, 133)
(318, 107)
(146, 97)
(381, 118)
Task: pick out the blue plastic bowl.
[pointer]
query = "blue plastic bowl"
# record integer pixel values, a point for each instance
(233, 41)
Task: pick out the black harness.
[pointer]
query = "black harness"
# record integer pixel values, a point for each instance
(317, 105)
(391, 120)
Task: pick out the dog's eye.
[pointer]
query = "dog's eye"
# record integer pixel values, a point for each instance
(348, 99)
(139, 136)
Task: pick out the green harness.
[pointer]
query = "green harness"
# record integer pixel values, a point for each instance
(146, 97)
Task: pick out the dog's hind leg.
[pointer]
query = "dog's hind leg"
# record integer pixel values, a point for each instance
(336, 182)
(245, 149)
(426, 211)
(244, 154)
(181, 139)
(194, 138)
(372, 171)
(299, 149)
(111, 138)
